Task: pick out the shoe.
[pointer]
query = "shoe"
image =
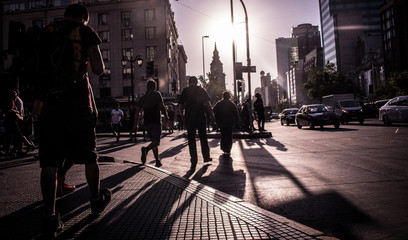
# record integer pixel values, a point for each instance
(97, 206)
(51, 226)
(63, 188)
(208, 160)
(158, 163)
(144, 154)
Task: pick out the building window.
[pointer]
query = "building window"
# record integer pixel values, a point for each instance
(126, 73)
(150, 53)
(125, 17)
(104, 35)
(105, 55)
(127, 34)
(103, 19)
(105, 92)
(150, 32)
(38, 23)
(128, 52)
(150, 15)
(127, 91)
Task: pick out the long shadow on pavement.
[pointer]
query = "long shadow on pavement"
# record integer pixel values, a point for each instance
(327, 211)
(26, 222)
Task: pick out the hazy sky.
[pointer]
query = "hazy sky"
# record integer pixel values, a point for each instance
(268, 20)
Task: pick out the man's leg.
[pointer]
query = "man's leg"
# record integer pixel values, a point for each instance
(205, 149)
(191, 137)
(92, 177)
(228, 139)
(48, 189)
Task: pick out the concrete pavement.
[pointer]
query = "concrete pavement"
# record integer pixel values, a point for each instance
(147, 203)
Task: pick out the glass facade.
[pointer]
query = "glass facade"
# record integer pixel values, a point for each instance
(334, 16)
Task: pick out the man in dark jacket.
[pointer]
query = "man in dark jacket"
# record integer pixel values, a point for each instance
(226, 116)
(196, 102)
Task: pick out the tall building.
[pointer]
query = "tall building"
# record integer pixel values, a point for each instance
(217, 69)
(395, 35)
(343, 23)
(126, 27)
(308, 37)
(286, 55)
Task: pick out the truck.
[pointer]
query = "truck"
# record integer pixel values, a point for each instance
(346, 106)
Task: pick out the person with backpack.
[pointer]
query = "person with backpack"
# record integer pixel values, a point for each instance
(66, 109)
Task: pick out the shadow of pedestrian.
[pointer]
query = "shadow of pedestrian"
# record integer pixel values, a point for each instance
(72, 207)
(225, 174)
(327, 211)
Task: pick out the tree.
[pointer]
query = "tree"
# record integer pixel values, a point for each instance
(322, 82)
(395, 85)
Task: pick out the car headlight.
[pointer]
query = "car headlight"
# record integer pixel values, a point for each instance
(345, 111)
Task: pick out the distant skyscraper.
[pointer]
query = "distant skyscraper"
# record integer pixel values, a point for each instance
(286, 55)
(308, 37)
(344, 22)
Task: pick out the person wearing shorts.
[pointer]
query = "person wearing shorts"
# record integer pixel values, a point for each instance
(152, 105)
(67, 121)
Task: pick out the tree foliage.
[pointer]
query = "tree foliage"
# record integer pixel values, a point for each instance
(395, 85)
(322, 82)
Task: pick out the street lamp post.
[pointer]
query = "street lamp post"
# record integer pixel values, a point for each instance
(139, 61)
(202, 46)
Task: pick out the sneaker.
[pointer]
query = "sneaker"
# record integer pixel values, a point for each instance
(51, 226)
(100, 204)
(158, 163)
(144, 154)
(63, 188)
(208, 160)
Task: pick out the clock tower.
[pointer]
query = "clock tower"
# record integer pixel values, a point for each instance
(217, 70)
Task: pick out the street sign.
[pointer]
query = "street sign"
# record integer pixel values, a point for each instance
(250, 69)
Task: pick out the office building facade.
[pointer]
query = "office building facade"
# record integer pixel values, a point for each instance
(345, 22)
(126, 27)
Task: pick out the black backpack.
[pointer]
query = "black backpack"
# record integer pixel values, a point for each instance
(52, 61)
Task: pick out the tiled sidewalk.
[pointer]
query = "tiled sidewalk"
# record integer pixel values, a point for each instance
(147, 203)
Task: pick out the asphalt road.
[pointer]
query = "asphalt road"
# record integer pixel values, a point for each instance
(350, 183)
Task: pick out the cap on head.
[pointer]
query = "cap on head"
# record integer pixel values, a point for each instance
(192, 80)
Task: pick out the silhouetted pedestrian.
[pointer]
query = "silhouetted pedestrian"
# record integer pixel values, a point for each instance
(116, 121)
(67, 115)
(196, 102)
(152, 104)
(260, 111)
(226, 116)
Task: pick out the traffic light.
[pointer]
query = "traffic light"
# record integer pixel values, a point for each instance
(239, 86)
(150, 69)
(238, 70)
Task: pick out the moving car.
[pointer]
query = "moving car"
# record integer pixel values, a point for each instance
(346, 106)
(394, 111)
(287, 116)
(316, 115)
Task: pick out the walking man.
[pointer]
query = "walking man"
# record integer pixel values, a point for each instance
(260, 111)
(226, 116)
(67, 117)
(196, 103)
(116, 121)
(152, 104)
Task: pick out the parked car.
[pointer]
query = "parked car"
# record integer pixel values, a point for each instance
(316, 115)
(287, 116)
(394, 111)
(378, 104)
